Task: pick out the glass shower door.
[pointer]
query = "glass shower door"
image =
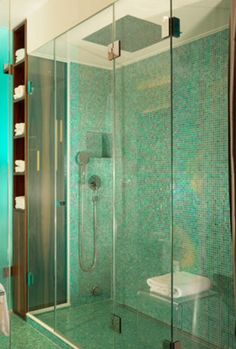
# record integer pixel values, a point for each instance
(201, 212)
(47, 285)
(88, 201)
(41, 180)
(142, 132)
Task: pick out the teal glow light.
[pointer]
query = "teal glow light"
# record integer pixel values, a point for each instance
(5, 153)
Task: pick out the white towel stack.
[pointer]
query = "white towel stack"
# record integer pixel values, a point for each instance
(20, 202)
(19, 91)
(19, 129)
(19, 166)
(185, 284)
(20, 54)
(4, 314)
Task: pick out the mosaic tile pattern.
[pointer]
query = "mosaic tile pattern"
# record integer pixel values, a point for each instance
(50, 335)
(24, 336)
(90, 101)
(89, 326)
(202, 237)
(202, 241)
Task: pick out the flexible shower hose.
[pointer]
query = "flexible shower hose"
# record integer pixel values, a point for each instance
(81, 228)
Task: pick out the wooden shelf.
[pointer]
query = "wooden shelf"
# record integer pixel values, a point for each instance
(22, 61)
(19, 210)
(19, 137)
(19, 100)
(20, 185)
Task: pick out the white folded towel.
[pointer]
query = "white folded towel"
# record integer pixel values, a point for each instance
(19, 169)
(19, 126)
(4, 314)
(20, 54)
(20, 51)
(20, 202)
(20, 58)
(19, 91)
(185, 284)
(20, 162)
(19, 131)
(20, 166)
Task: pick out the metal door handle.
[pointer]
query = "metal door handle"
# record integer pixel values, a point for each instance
(38, 161)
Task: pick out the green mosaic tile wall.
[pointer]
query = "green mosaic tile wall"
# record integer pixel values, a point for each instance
(202, 237)
(90, 103)
(202, 240)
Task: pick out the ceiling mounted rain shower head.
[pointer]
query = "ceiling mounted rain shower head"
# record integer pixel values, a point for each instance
(134, 33)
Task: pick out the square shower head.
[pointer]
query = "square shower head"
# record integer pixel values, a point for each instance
(134, 33)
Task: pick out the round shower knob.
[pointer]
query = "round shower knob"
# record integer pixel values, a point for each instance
(94, 182)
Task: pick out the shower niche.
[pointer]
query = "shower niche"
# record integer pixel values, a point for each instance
(99, 145)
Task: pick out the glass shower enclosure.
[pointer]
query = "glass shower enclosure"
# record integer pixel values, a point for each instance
(128, 179)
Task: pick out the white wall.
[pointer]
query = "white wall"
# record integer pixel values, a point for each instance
(57, 16)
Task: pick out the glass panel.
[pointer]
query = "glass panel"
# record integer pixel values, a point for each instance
(61, 233)
(84, 71)
(110, 131)
(142, 167)
(5, 170)
(41, 179)
(202, 237)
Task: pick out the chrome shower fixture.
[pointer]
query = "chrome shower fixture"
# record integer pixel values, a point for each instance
(94, 182)
(82, 158)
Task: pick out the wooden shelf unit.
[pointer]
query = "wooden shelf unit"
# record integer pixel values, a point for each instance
(20, 148)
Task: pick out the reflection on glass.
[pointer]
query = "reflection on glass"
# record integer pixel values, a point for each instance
(202, 238)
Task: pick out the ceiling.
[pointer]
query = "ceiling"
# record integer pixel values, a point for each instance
(20, 9)
(87, 43)
(198, 18)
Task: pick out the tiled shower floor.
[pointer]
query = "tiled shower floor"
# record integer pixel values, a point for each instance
(24, 336)
(89, 327)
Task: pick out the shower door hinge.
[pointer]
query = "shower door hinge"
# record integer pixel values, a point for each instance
(170, 27)
(116, 323)
(114, 50)
(171, 345)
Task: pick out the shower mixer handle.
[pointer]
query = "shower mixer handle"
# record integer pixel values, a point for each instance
(94, 182)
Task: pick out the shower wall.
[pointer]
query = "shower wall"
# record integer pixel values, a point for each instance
(143, 175)
(202, 236)
(91, 122)
(202, 239)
